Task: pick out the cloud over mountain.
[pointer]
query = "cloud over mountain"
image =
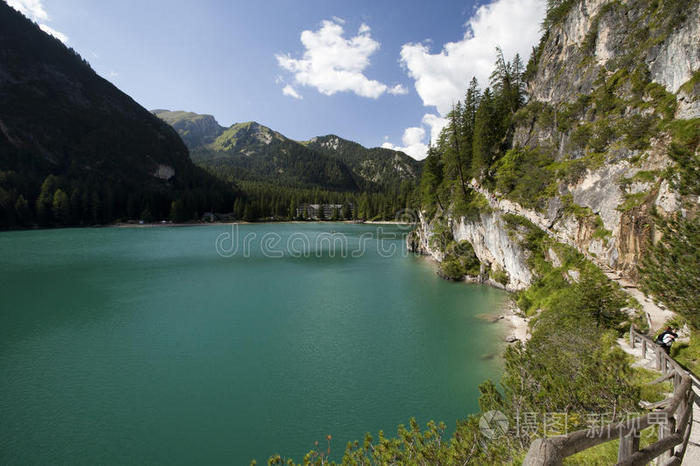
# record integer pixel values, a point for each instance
(333, 63)
(34, 10)
(441, 78)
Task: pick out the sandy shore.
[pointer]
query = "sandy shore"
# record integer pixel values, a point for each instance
(517, 326)
(384, 222)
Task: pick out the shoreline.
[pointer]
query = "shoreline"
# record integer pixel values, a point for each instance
(199, 224)
(243, 222)
(516, 326)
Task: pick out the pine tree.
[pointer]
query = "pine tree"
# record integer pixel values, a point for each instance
(22, 211)
(177, 211)
(485, 134)
(454, 156)
(432, 179)
(45, 200)
(669, 270)
(96, 208)
(146, 214)
(61, 207)
(7, 209)
(248, 213)
(471, 105)
(75, 207)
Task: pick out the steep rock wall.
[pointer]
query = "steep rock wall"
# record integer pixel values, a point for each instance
(495, 246)
(605, 213)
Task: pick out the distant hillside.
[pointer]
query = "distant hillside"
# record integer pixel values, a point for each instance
(194, 129)
(371, 167)
(251, 151)
(75, 149)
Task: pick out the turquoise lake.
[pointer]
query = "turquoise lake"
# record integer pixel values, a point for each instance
(172, 346)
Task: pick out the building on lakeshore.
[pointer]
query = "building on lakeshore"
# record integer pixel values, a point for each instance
(325, 211)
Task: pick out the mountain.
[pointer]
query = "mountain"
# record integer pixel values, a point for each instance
(195, 130)
(371, 167)
(70, 139)
(251, 151)
(602, 156)
(583, 197)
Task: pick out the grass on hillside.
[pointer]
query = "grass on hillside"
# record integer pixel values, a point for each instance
(606, 453)
(688, 353)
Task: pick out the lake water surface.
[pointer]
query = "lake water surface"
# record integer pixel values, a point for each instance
(147, 345)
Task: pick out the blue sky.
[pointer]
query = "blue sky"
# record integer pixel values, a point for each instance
(377, 72)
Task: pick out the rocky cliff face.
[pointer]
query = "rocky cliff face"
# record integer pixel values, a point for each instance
(613, 82)
(599, 34)
(496, 247)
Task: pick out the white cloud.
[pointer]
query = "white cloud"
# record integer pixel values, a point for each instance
(291, 92)
(331, 63)
(30, 8)
(441, 79)
(412, 143)
(399, 89)
(34, 10)
(436, 124)
(413, 139)
(57, 34)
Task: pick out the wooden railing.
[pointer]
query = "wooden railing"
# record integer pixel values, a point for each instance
(674, 420)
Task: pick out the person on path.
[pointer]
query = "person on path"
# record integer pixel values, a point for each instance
(666, 339)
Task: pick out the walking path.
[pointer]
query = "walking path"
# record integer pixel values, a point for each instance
(692, 453)
(656, 316)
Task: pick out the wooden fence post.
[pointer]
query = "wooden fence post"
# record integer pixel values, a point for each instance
(644, 349)
(665, 430)
(632, 336)
(629, 445)
(542, 453)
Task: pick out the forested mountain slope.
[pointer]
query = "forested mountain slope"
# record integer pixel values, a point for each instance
(372, 167)
(253, 152)
(74, 149)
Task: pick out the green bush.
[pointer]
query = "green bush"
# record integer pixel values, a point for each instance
(525, 175)
(451, 268)
(465, 253)
(500, 276)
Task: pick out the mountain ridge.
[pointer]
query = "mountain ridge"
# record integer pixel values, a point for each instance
(70, 139)
(235, 146)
